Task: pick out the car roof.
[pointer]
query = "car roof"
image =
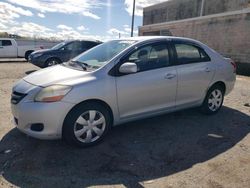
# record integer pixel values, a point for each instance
(149, 38)
(6, 39)
(83, 40)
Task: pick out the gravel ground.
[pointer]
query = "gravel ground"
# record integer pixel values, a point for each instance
(182, 149)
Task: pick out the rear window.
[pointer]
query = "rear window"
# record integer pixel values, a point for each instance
(187, 53)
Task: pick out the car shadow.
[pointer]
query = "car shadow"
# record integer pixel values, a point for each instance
(138, 151)
(30, 71)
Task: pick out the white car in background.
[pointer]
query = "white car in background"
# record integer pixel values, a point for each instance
(10, 49)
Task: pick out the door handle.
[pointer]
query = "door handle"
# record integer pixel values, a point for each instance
(207, 70)
(169, 76)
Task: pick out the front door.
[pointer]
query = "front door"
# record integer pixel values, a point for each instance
(7, 49)
(153, 87)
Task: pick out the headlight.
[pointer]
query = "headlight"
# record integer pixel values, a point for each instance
(52, 93)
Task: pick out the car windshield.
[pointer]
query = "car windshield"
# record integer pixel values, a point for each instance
(100, 55)
(56, 47)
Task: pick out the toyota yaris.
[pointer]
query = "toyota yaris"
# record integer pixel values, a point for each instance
(120, 81)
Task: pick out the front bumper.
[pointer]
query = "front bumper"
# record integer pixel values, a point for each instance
(51, 115)
(36, 61)
(26, 113)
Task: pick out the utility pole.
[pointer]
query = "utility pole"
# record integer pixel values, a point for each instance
(133, 15)
(202, 7)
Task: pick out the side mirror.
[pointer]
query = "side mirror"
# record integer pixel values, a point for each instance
(128, 68)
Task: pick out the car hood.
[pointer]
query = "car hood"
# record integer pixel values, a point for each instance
(46, 51)
(42, 51)
(58, 74)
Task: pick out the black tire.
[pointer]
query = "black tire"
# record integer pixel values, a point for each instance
(70, 124)
(52, 61)
(206, 107)
(26, 56)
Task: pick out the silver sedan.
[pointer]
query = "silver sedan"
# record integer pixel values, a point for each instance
(120, 81)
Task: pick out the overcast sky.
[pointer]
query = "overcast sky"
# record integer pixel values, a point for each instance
(65, 19)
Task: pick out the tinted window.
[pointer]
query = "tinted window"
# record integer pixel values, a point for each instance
(149, 57)
(187, 53)
(73, 46)
(5, 43)
(87, 45)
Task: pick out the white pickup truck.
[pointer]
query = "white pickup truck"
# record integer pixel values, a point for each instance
(10, 49)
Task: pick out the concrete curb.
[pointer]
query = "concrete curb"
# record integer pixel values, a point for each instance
(12, 60)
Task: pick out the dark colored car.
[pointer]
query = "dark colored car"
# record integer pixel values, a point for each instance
(61, 52)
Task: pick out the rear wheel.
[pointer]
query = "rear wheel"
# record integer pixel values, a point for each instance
(86, 125)
(26, 56)
(51, 62)
(214, 100)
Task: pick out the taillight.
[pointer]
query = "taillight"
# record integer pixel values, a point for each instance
(234, 65)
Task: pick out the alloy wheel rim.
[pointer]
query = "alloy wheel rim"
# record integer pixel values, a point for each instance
(89, 126)
(215, 100)
(51, 63)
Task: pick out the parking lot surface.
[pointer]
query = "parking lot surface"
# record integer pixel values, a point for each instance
(182, 149)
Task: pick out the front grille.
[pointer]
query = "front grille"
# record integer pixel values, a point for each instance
(16, 97)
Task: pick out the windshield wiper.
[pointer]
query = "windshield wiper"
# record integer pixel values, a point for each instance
(81, 64)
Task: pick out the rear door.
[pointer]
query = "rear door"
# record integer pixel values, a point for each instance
(195, 71)
(7, 49)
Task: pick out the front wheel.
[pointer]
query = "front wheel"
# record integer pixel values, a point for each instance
(86, 124)
(214, 100)
(51, 62)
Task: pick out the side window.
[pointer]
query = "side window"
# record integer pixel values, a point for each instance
(73, 46)
(1, 44)
(88, 45)
(69, 46)
(5, 43)
(187, 53)
(149, 57)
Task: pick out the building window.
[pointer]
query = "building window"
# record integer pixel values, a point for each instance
(166, 33)
(151, 33)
